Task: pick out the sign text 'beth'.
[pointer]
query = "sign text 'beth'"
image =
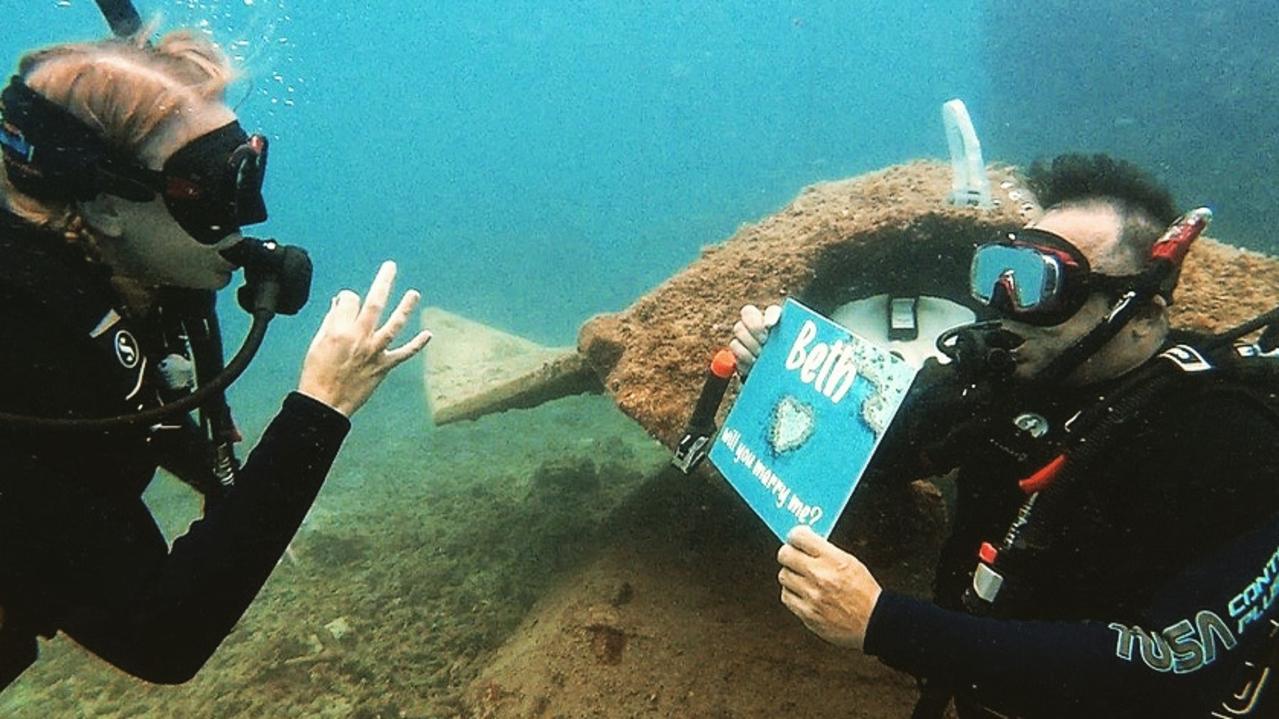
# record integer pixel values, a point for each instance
(829, 368)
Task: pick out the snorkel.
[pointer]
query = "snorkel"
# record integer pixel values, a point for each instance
(122, 16)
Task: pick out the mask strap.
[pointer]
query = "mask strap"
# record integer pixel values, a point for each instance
(49, 153)
(1159, 279)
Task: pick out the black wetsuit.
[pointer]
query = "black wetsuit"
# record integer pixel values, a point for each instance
(1179, 518)
(79, 551)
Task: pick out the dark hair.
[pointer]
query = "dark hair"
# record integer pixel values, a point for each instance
(1144, 205)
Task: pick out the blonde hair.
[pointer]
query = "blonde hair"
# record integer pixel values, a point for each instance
(130, 92)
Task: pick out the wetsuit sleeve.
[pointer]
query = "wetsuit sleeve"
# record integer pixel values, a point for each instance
(189, 599)
(1193, 649)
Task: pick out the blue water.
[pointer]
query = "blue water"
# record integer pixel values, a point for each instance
(533, 163)
(1187, 90)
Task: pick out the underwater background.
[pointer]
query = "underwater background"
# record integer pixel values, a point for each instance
(530, 164)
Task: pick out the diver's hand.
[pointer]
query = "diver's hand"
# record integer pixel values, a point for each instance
(349, 356)
(750, 333)
(830, 591)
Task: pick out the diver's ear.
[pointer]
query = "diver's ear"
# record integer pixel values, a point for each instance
(103, 214)
(1152, 318)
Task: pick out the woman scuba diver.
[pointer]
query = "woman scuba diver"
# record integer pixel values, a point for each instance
(126, 182)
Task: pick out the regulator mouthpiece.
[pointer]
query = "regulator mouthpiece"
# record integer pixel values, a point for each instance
(277, 278)
(981, 350)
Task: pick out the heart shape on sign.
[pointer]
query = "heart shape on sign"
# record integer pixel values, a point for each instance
(792, 425)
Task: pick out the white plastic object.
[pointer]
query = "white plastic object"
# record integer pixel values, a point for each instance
(870, 318)
(970, 185)
(177, 372)
(987, 582)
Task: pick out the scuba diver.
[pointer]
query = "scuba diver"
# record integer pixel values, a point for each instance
(1114, 549)
(126, 182)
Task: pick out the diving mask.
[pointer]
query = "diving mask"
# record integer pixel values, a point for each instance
(1036, 277)
(212, 185)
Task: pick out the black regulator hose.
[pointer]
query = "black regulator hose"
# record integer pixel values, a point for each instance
(1269, 338)
(277, 280)
(233, 370)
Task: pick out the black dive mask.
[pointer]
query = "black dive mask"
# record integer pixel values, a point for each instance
(212, 185)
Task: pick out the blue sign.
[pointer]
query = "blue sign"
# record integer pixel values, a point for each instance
(808, 419)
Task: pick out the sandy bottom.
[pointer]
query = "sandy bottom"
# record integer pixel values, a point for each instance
(679, 616)
(536, 563)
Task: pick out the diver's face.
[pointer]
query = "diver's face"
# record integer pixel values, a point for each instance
(142, 241)
(1095, 230)
(155, 250)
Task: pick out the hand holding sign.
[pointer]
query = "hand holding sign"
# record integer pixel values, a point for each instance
(830, 591)
(803, 429)
(750, 333)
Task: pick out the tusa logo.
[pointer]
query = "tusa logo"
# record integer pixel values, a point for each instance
(126, 349)
(1182, 647)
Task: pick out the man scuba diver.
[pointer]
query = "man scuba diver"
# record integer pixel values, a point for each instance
(1115, 543)
(126, 182)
